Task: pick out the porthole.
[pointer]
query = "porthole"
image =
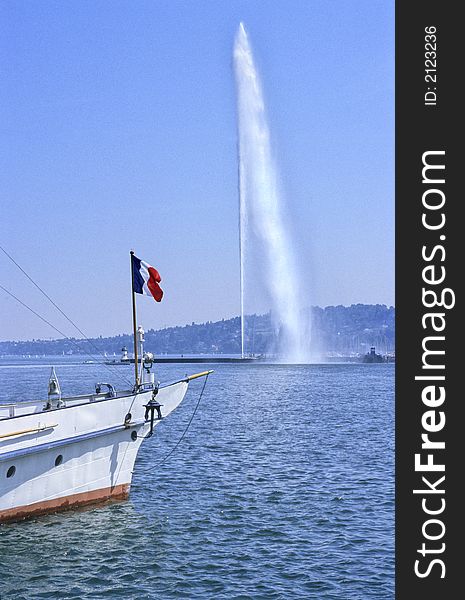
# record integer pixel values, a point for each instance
(11, 471)
(134, 436)
(58, 460)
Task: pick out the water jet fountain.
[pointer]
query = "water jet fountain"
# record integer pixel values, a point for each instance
(261, 211)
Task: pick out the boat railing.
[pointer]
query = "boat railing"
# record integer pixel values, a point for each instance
(29, 407)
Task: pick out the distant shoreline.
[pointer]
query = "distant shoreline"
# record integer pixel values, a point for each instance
(340, 330)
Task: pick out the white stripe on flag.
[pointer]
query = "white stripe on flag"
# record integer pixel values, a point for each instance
(145, 276)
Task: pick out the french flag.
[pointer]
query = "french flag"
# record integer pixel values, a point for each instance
(145, 279)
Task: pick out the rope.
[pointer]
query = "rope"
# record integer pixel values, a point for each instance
(165, 458)
(35, 313)
(55, 328)
(113, 372)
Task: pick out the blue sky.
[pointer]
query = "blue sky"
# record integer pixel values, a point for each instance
(119, 132)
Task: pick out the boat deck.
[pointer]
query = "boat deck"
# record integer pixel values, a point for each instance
(18, 409)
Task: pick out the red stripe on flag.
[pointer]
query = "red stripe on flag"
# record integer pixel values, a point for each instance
(152, 284)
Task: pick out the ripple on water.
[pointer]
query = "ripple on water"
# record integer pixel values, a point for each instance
(282, 488)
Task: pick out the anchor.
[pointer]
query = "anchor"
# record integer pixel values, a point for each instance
(150, 410)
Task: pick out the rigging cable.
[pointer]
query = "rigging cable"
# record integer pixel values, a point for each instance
(48, 323)
(62, 312)
(183, 433)
(53, 326)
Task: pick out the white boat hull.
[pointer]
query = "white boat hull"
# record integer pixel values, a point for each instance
(73, 456)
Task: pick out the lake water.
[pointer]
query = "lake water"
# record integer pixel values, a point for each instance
(283, 488)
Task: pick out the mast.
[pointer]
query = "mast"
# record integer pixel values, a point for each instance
(241, 240)
(134, 323)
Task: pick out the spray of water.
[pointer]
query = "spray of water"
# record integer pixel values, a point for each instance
(261, 208)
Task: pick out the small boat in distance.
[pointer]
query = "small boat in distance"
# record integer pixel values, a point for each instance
(66, 452)
(372, 357)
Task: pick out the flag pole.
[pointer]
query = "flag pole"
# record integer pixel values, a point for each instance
(134, 323)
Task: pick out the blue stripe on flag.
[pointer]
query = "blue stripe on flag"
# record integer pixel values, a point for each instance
(137, 281)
